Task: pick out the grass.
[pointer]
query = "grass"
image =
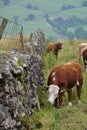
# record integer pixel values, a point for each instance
(65, 118)
(10, 43)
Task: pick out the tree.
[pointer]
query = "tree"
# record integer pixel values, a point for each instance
(6, 2)
(80, 33)
(70, 35)
(29, 6)
(30, 17)
(16, 18)
(84, 3)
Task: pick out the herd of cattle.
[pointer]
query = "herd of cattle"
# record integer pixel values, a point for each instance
(64, 77)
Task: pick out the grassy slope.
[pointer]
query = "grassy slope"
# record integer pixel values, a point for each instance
(16, 8)
(66, 118)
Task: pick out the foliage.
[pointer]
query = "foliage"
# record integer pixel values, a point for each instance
(6, 2)
(30, 17)
(61, 26)
(26, 121)
(65, 7)
(84, 3)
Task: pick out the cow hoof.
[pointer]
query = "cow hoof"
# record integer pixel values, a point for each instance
(79, 102)
(57, 106)
(69, 104)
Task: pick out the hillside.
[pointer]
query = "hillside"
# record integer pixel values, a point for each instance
(55, 18)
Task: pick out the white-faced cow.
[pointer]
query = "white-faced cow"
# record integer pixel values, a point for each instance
(63, 78)
(54, 47)
(83, 53)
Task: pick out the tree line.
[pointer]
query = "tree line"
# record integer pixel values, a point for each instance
(61, 26)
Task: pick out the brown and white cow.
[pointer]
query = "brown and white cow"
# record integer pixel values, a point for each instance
(83, 53)
(63, 78)
(54, 47)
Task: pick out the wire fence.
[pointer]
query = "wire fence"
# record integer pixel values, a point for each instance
(11, 35)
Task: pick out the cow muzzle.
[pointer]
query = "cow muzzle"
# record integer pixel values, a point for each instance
(51, 100)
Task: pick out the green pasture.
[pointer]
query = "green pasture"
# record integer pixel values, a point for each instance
(32, 27)
(72, 29)
(65, 118)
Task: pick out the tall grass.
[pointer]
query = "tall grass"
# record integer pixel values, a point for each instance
(65, 118)
(9, 43)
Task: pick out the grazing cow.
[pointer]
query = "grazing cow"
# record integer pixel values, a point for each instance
(54, 47)
(63, 78)
(83, 53)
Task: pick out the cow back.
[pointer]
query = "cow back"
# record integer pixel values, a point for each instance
(66, 75)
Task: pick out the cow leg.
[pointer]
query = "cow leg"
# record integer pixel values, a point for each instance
(61, 94)
(56, 54)
(79, 56)
(84, 63)
(69, 97)
(79, 90)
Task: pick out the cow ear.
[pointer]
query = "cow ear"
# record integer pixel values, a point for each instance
(62, 90)
(45, 88)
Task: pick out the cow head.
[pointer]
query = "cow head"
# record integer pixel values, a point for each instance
(53, 91)
(85, 58)
(59, 45)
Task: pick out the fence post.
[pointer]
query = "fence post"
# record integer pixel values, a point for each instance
(21, 37)
(2, 26)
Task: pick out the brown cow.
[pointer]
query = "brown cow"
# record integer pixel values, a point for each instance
(83, 53)
(63, 78)
(54, 47)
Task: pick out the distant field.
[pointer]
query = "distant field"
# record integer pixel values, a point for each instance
(73, 29)
(47, 7)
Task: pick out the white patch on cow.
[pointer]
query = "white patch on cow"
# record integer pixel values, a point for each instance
(52, 93)
(86, 67)
(86, 61)
(79, 102)
(69, 63)
(77, 83)
(53, 74)
(69, 104)
(54, 78)
(83, 44)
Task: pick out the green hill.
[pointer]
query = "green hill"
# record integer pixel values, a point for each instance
(54, 17)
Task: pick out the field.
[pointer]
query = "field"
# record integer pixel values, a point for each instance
(65, 118)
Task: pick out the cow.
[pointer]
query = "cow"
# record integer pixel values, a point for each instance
(83, 53)
(63, 78)
(54, 47)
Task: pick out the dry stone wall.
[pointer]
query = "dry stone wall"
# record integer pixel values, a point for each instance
(20, 75)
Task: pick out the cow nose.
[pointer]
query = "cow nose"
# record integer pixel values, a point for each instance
(51, 102)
